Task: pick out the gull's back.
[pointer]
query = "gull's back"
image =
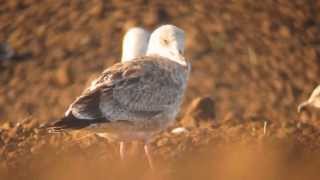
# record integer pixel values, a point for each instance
(143, 95)
(147, 84)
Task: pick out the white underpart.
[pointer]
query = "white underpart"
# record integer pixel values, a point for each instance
(167, 41)
(135, 43)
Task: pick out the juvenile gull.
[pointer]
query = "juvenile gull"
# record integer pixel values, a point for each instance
(136, 99)
(134, 44)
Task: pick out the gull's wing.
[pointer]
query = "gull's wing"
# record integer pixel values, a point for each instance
(127, 91)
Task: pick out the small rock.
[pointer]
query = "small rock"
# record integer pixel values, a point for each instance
(162, 142)
(36, 148)
(155, 16)
(286, 124)
(62, 77)
(6, 52)
(29, 123)
(291, 130)
(7, 126)
(284, 32)
(129, 24)
(96, 10)
(58, 53)
(307, 131)
(199, 113)
(179, 130)
(15, 131)
(41, 30)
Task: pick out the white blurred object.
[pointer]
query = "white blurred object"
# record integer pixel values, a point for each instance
(314, 100)
(179, 130)
(135, 43)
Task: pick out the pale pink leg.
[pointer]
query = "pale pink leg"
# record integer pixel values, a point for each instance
(146, 150)
(122, 150)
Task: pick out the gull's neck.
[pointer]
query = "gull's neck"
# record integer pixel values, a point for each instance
(170, 56)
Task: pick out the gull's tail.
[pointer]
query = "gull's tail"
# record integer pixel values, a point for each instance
(70, 122)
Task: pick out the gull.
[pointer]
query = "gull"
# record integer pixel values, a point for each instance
(136, 99)
(134, 44)
(314, 100)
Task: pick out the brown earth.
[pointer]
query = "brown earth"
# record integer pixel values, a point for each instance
(257, 59)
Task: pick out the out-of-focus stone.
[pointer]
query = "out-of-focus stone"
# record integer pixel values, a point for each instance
(40, 31)
(96, 10)
(17, 38)
(162, 141)
(129, 24)
(63, 77)
(284, 32)
(179, 130)
(14, 132)
(7, 125)
(200, 113)
(6, 51)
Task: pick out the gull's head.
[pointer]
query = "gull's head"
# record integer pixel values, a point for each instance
(135, 43)
(167, 41)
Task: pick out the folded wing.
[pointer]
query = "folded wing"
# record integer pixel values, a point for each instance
(129, 91)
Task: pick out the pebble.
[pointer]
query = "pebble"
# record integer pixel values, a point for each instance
(63, 77)
(307, 131)
(6, 51)
(96, 11)
(200, 113)
(179, 130)
(162, 141)
(7, 125)
(284, 32)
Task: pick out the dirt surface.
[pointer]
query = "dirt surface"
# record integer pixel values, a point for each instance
(256, 59)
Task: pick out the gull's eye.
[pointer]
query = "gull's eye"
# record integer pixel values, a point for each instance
(165, 41)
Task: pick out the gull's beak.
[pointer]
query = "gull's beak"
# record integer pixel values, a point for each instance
(302, 106)
(183, 60)
(179, 55)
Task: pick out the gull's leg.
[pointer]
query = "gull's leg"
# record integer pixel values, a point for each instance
(122, 149)
(147, 152)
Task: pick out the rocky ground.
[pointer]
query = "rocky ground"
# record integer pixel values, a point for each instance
(253, 62)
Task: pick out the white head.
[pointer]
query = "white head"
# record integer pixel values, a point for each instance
(167, 41)
(135, 43)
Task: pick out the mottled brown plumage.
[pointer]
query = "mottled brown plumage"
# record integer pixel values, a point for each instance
(135, 99)
(143, 95)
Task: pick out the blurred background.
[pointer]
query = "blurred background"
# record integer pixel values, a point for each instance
(257, 60)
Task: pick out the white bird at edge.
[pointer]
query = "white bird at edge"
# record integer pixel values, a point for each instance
(136, 99)
(314, 100)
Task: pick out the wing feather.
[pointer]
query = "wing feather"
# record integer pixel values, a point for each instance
(128, 90)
